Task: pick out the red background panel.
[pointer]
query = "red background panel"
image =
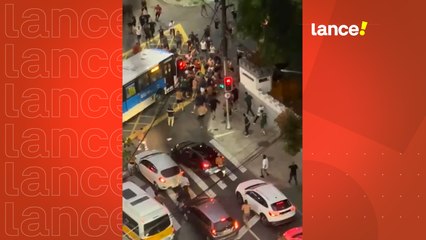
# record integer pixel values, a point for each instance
(364, 122)
(61, 121)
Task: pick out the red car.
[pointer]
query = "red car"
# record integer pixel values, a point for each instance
(293, 234)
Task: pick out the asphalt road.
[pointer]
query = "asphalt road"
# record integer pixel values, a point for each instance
(163, 137)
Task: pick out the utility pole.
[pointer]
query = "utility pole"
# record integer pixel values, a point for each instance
(225, 57)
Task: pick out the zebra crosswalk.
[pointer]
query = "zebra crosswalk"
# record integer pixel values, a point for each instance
(200, 185)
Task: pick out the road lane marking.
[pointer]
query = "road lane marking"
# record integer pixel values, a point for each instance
(219, 182)
(228, 156)
(230, 174)
(198, 181)
(223, 134)
(172, 195)
(136, 123)
(243, 230)
(176, 224)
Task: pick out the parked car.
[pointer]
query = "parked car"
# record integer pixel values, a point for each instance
(208, 216)
(197, 156)
(159, 169)
(267, 201)
(293, 234)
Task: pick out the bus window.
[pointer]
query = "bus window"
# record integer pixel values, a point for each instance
(143, 82)
(130, 223)
(155, 75)
(130, 90)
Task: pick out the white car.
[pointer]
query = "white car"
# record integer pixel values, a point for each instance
(159, 169)
(267, 201)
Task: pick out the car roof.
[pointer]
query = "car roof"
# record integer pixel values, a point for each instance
(161, 160)
(270, 193)
(139, 202)
(185, 144)
(212, 208)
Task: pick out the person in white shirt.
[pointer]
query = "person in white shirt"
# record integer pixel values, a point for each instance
(265, 166)
(203, 46)
(139, 33)
(212, 50)
(260, 110)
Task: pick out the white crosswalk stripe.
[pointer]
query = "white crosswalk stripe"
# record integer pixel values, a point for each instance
(243, 230)
(219, 182)
(198, 181)
(176, 224)
(172, 195)
(230, 174)
(228, 156)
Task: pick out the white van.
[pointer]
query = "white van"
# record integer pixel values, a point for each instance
(143, 216)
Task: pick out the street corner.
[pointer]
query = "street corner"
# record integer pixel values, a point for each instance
(188, 3)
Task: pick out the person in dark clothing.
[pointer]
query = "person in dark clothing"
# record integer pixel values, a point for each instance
(207, 31)
(161, 32)
(142, 20)
(216, 23)
(213, 105)
(234, 14)
(246, 125)
(132, 24)
(204, 10)
(152, 27)
(144, 5)
(248, 99)
(147, 32)
(199, 100)
(293, 172)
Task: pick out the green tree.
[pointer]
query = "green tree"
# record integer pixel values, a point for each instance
(277, 26)
(290, 125)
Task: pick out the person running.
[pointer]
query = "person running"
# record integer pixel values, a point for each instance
(213, 105)
(158, 10)
(293, 172)
(248, 99)
(170, 116)
(265, 166)
(246, 212)
(246, 125)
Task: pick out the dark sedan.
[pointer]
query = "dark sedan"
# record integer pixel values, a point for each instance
(197, 156)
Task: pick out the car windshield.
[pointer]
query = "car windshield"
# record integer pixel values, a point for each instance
(170, 172)
(205, 150)
(224, 224)
(281, 205)
(156, 226)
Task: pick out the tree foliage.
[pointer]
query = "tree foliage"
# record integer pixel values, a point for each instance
(291, 131)
(281, 39)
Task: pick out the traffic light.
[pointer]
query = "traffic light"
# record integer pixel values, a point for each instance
(228, 83)
(181, 67)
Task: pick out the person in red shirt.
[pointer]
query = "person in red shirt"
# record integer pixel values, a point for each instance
(158, 10)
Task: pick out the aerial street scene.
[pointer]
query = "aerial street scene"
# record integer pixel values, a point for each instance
(212, 119)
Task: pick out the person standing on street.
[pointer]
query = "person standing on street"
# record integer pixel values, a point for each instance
(246, 211)
(246, 125)
(158, 10)
(170, 116)
(219, 162)
(293, 172)
(213, 105)
(216, 23)
(144, 5)
(260, 110)
(179, 98)
(152, 27)
(263, 119)
(139, 33)
(178, 40)
(172, 28)
(204, 10)
(131, 166)
(201, 111)
(235, 94)
(265, 166)
(248, 99)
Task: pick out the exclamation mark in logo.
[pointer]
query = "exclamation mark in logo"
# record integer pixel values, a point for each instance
(363, 27)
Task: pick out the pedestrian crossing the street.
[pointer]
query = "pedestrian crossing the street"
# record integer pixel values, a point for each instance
(228, 155)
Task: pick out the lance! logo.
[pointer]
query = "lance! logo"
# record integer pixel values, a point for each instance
(338, 30)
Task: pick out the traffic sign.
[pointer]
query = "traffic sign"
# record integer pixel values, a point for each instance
(227, 95)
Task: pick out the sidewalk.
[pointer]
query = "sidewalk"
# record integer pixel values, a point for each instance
(247, 151)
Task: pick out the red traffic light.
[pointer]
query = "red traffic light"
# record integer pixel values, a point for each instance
(181, 65)
(228, 83)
